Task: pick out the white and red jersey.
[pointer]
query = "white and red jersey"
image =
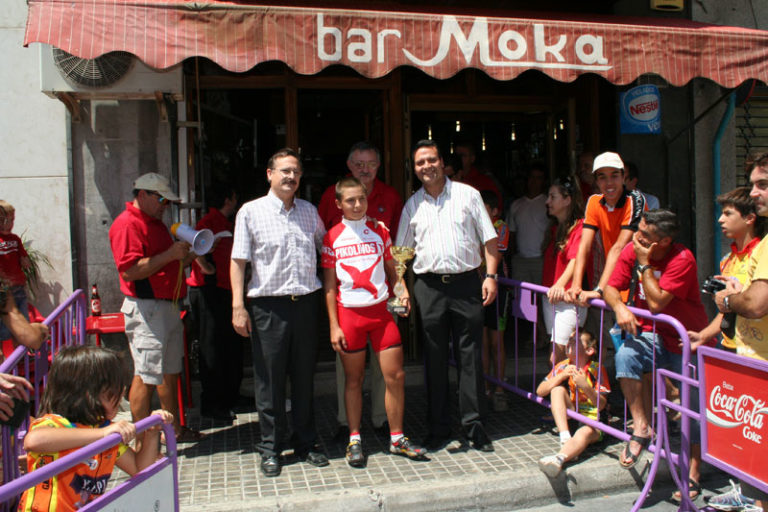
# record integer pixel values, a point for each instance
(357, 250)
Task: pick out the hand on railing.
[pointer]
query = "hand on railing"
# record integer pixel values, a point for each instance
(12, 388)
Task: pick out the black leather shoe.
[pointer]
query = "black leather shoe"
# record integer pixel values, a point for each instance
(483, 444)
(270, 466)
(317, 459)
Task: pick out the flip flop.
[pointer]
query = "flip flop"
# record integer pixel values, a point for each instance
(626, 453)
(694, 491)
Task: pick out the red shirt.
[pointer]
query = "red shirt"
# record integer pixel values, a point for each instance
(216, 222)
(480, 182)
(384, 205)
(677, 275)
(11, 252)
(555, 262)
(135, 235)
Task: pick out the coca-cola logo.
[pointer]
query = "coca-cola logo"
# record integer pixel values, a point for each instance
(728, 409)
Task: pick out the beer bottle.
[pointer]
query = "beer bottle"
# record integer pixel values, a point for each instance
(95, 301)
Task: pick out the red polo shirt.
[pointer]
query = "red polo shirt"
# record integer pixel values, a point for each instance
(216, 222)
(480, 182)
(135, 235)
(384, 204)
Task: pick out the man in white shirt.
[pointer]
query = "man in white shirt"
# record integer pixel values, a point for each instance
(447, 224)
(281, 237)
(528, 222)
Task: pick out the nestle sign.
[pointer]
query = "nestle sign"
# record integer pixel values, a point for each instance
(640, 110)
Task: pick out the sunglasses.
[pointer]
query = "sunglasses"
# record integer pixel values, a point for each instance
(160, 198)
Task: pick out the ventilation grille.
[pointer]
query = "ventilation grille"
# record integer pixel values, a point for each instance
(102, 71)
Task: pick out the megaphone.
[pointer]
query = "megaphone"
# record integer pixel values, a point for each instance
(201, 241)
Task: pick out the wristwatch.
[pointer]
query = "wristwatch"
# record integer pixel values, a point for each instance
(643, 268)
(726, 303)
(598, 290)
(495, 277)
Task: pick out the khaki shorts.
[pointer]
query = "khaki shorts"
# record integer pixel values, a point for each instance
(156, 336)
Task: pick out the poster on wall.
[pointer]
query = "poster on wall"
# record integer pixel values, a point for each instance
(735, 427)
(640, 110)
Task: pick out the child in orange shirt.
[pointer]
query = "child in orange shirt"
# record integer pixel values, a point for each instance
(84, 388)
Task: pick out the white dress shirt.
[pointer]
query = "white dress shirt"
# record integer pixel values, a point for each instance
(282, 246)
(448, 232)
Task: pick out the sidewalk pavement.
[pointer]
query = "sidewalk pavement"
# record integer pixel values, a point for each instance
(222, 471)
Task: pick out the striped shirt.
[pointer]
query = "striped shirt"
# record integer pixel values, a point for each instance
(448, 232)
(282, 246)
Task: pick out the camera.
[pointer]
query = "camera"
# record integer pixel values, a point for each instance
(711, 285)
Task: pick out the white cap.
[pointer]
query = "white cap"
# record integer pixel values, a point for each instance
(156, 183)
(607, 159)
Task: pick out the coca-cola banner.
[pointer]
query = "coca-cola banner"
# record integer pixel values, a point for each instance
(735, 401)
(238, 35)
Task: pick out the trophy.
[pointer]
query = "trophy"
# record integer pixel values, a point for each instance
(401, 256)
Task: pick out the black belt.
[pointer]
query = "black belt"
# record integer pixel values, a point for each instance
(447, 278)
(292, 298)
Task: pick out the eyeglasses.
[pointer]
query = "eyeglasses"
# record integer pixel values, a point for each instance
(363, 165)
(291, 170)
(160, 198)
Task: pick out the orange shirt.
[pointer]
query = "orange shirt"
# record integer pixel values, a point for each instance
(609, 221)
(75, 487)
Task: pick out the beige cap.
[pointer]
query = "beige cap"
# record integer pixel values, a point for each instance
(156, 183)
(607, 159)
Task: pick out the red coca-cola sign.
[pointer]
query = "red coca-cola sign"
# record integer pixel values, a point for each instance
(735, 395)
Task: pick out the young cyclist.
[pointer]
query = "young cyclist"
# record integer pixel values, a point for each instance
(356, 263)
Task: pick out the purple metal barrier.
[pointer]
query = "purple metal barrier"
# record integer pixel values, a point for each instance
(525, 307)
(12, 490)
(67, 327)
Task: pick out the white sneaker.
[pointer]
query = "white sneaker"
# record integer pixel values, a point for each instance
(551, 465)
(733, 500)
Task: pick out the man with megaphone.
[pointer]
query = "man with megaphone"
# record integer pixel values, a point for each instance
(150, 265)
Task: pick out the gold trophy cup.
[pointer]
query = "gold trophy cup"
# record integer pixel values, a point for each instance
(401, 256)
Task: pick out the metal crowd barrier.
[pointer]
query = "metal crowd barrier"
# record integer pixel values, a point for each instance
(525, 305)
(154, 488)
(67, 327)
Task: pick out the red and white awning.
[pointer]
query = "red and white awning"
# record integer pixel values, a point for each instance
(238, 36)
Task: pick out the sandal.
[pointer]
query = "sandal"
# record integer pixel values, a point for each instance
(694, 491)
(626, 453)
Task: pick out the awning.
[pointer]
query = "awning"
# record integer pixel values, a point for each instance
(238, 36)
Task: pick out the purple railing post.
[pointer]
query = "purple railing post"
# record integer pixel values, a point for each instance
(65, 330)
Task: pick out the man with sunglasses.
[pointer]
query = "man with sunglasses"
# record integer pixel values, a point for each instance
(384, 205)
(281, 237)
(150, 267)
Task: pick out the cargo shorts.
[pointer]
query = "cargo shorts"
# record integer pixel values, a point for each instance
(156, 338)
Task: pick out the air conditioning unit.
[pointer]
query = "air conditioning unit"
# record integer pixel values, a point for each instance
(115, 75)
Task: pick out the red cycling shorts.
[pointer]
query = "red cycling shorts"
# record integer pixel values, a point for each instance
(374, 321)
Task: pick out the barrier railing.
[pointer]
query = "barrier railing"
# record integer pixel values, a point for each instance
(525, 307)
(154, 488)
(67, 327)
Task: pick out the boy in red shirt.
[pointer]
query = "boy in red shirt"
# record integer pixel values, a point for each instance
(13, 262)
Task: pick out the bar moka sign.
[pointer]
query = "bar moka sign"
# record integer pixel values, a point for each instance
(485, 43)
(734, 396)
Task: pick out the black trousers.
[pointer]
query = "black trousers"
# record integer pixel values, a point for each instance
(221, 348)
(452, 310)
(284, 341)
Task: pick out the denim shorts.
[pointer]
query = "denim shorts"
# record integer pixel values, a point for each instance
(20, 297)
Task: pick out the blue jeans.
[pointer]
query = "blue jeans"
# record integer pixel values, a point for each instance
(636, 357)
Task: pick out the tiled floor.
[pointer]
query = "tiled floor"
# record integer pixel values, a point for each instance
(224, 467)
